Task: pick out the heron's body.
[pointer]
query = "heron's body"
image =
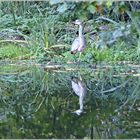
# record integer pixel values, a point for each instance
(79, 44)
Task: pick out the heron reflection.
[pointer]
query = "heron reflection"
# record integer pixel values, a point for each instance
(79, 89)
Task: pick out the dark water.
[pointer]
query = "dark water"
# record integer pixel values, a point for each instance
(100, 103)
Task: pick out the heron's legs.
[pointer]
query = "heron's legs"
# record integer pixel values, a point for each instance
(79, 57)
(74, 58)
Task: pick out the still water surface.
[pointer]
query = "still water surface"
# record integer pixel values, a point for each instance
(87, 103)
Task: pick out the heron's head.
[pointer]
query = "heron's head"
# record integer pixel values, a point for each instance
(77, 22)
(74, 78)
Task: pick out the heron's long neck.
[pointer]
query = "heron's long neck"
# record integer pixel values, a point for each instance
(80, 30)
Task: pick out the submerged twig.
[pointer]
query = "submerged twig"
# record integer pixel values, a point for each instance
(114, 88)
(53, 67)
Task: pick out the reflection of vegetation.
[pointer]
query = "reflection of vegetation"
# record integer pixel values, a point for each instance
(36, 104)
(12, 69)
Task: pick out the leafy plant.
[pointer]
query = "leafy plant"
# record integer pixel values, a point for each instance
(13, 51)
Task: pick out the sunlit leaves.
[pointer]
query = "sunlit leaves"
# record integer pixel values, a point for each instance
(62, 8)
(92, 9)
(109, 3)
(55, 1)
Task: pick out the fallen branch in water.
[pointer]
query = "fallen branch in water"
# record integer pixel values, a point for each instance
(127, 74)
(53, 67)
(114, 88)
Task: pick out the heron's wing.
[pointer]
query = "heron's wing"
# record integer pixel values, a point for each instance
(82, 42)
(75, 45)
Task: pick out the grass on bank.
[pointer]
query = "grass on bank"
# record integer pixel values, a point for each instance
(11, 51)
(90, 55)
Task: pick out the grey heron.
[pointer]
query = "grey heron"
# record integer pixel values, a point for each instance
(79, 44)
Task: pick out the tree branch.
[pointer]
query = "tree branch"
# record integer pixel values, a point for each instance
(107, 19)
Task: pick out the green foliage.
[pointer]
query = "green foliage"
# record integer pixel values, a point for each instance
(47, 23)
(10, 69)
(14, 51)
(94, 54)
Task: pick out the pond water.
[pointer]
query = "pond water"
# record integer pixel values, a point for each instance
(101, 102)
